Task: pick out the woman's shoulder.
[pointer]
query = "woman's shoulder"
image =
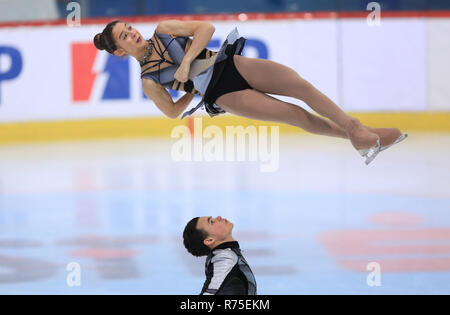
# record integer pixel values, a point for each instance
(164, 35)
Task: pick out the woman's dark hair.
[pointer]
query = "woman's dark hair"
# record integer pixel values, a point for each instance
(193, 239)
(105, 40)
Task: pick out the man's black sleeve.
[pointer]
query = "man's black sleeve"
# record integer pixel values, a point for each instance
(235, 287)
(234, 284)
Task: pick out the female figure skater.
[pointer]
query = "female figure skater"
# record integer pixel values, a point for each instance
(229, 82)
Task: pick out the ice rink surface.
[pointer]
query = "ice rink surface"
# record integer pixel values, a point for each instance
(318, 224)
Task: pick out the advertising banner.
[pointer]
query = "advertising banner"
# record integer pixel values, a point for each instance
(50, 73)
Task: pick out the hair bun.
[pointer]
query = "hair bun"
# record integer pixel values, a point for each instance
(105, 40)
(99, 41)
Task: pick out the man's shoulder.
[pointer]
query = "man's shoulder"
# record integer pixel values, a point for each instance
(224, 255)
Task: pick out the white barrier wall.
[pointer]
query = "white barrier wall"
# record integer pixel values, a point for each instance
(438, 65)
(383, 68)
(55, 72)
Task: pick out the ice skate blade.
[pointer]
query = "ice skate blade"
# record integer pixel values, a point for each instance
(371, 153)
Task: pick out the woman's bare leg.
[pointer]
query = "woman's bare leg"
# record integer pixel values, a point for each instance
(256, 105)
(274, 78)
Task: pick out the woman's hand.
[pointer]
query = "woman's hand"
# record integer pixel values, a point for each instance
(182, 74)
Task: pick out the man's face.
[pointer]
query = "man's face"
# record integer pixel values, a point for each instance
(217, 228)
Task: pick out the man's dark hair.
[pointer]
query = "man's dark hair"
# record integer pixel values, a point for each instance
(193, 239)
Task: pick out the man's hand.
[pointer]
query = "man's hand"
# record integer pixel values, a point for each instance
(182, 74)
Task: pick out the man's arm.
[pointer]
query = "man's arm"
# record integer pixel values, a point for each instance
(222, 263)
(235, 285)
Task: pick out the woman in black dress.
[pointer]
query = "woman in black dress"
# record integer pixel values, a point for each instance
(229, 82)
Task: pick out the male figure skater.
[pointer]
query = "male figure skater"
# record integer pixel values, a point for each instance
(227, 272)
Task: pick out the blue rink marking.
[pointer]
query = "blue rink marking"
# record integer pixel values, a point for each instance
(277, 230)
